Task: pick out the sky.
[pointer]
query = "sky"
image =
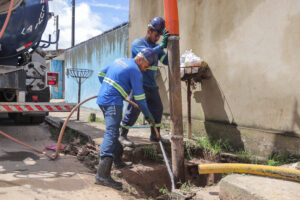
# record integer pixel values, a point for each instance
(92, 17)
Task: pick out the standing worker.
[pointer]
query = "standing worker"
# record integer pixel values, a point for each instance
(156, 28)
(117, 80)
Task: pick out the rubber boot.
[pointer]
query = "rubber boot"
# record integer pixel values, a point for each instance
(153, 136)
(118, 161)
(123, 138)
(103, 174)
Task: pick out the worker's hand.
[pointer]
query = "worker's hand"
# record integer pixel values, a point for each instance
(150, 119)
(164, 41)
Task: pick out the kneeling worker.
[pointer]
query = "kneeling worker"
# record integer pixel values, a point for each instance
(117, 80)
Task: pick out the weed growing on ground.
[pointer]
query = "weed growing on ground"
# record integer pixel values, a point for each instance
(92, 117)
(150, 152)
(102, 121)
(243, 155)
(279, 159)
(188, 147)
(132, 190)
(163, 190)
(187, 186)
(166, 126)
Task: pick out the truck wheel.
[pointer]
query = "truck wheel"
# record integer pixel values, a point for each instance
(37, 119)
(19, 118)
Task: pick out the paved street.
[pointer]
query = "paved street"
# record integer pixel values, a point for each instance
(29, 175)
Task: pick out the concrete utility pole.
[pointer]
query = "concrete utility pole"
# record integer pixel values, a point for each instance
(73, 23)
(56, 19)
(177, 147)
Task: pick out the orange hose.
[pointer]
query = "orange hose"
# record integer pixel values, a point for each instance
(62, 130)
(171, 16)
(7, 17)
(26, 145)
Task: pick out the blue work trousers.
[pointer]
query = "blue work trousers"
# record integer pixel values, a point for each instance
(113, 117)
(154, 104)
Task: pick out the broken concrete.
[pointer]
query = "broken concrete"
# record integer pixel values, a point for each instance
(249, 187)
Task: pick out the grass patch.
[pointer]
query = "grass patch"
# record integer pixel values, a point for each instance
(68, 137)
(213, 147)
(279, 159)
(166, 126)
(163, 190)
(150, 152)
(187, 186)
(188, 149)
(92, 117)
(102, 121)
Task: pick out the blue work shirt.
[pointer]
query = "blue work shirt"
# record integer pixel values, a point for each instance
(117, 80)
(150, 74)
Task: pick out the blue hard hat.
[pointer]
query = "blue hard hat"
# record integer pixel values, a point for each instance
(157, 24)
(150, 55)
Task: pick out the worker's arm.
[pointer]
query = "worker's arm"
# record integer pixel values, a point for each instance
(163, 57)
(138, 45)
(102, 74)
(139, 96)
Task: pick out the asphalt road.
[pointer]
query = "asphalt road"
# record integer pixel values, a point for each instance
(25, 174)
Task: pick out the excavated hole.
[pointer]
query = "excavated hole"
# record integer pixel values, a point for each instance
(149, 176)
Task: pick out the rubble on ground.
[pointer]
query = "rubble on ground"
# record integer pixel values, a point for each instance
(87, 153)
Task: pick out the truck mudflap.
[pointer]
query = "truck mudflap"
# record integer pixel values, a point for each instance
(35, 107)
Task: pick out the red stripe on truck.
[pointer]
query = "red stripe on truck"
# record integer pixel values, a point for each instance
(19, 108)
(29, 108)
(39, 108)
(49, 108)
(58, 108)
(68, 108)
(7, 108)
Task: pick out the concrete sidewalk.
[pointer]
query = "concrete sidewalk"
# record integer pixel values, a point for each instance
(249, 187)
(230, 188)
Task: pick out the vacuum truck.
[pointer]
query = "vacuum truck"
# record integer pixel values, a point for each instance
(24, 76)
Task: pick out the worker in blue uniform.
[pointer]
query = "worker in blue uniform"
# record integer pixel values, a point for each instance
(117, 80)
(156, 28)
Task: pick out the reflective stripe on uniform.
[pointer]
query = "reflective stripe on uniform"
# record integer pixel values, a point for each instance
(162, 58)
(116, 86)
(102, 74)
(124, 126)
(139, 97)
(158, 125)
(154, 68)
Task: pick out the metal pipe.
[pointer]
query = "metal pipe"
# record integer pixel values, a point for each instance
(79, 92)
(189, 94)
(263, 170)
(73, 23)
(57, 34)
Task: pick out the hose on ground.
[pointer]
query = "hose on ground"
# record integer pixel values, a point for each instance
(61, 131)
(263, 170)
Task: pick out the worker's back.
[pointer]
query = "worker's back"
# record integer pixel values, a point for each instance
(119, 79)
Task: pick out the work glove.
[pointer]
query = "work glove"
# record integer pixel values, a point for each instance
(150, 119)
(164, 41)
